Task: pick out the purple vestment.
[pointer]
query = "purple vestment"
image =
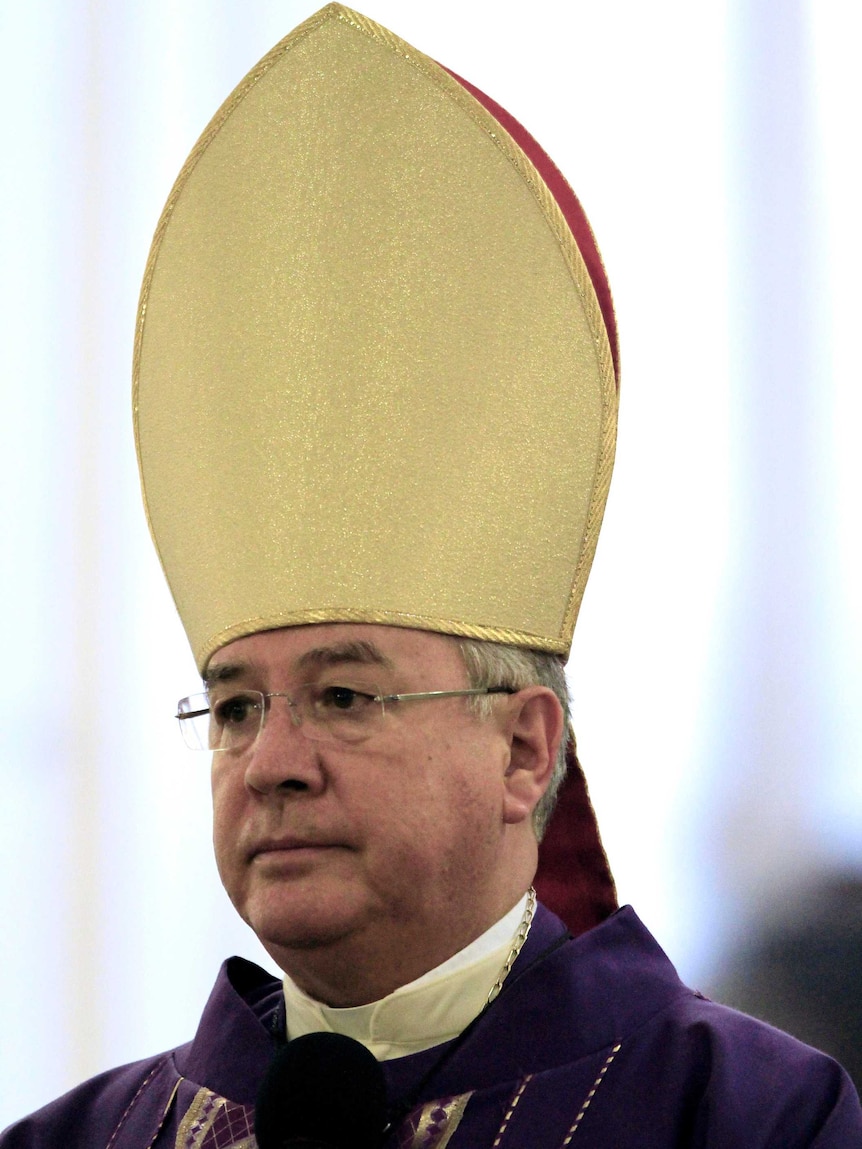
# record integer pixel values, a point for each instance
(593, 1041)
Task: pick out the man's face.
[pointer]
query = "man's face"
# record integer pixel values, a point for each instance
(395, 837)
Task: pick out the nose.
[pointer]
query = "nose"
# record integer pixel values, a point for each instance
(282, 759)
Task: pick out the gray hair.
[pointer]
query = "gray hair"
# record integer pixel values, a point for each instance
(494, 664)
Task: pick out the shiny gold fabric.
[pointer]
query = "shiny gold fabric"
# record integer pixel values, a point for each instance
(372, 381)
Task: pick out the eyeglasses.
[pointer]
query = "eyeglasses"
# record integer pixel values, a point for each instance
(326, 712)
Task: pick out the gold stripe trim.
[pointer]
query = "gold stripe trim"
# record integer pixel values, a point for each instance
(602, 1072)
(156, 1069)
(167, 1110)
(512, 1109)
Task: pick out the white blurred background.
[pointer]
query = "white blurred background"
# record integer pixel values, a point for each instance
(718, 660)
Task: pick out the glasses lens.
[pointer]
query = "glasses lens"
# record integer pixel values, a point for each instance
(221, 722)
(235, 719)
(333, 711)
(193, 715)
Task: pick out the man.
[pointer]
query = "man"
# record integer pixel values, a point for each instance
(375, 397)
(357, 896)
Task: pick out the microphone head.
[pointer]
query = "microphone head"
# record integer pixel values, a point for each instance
(322, 1091)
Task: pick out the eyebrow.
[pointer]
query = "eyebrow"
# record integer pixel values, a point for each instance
(318, 658)
(359, 650)
(224, 672)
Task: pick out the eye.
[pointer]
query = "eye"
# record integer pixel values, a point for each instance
(342, 700)
(236, 710)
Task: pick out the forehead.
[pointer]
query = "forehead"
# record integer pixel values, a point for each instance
(307, 649)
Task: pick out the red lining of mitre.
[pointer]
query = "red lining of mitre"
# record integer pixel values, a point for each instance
(574, 877)
(568, 204)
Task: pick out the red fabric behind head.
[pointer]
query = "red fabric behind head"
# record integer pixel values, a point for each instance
(574, 878)
(568, 204)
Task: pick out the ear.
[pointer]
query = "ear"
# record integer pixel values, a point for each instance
(534, 728)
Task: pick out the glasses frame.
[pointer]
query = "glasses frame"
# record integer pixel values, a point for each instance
(296, 716)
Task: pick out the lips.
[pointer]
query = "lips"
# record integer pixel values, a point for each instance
(290, 844)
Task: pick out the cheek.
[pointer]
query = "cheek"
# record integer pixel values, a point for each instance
(227, 816)
(448, 816)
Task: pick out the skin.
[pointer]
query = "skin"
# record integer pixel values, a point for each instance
(360, 867)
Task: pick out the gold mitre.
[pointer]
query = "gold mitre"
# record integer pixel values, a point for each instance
(374, 367)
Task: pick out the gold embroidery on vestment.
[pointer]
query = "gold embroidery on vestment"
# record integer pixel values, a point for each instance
(435, 1123)
(199, 1119)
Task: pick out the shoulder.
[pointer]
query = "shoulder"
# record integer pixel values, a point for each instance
(228, 1054)
(738, 1080)
(92, 1113)
(706, 1073)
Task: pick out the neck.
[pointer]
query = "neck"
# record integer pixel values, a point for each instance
(429, 1011)
(372, 964)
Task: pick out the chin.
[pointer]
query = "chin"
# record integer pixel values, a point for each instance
(305, 918)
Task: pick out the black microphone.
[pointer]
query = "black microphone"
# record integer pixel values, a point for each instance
(322, 1091)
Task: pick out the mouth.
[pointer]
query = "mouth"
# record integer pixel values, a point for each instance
(290, 849)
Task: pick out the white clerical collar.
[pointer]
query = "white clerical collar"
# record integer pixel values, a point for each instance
(426, 1012)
